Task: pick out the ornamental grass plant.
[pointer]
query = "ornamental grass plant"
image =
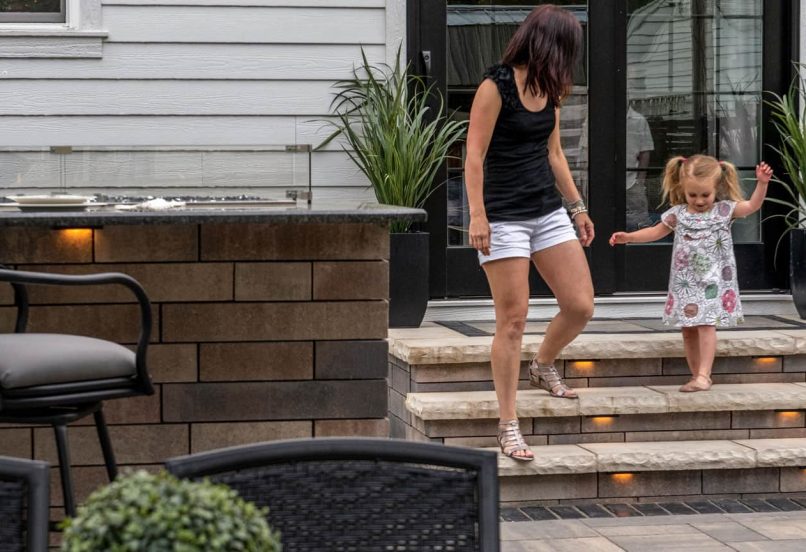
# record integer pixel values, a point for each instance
(790, 123)
(160, 513)
(396, 131)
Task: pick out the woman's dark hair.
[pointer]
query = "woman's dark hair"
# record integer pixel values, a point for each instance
(547, 44)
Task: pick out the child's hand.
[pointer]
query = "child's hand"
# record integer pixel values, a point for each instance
(763, 173)
(619, 237)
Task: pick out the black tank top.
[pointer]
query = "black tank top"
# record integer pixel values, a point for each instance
(518, 182)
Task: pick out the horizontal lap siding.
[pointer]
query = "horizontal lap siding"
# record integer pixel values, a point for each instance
(245, 24)
(202, 72)
(144, 61)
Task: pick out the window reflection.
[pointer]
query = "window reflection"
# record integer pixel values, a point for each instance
(694, 74)
(478, 32)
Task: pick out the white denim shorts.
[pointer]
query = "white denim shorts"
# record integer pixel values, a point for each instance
(521, 238)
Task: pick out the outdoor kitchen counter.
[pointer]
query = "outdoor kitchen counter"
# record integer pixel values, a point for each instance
(269, 323)
(318, 212)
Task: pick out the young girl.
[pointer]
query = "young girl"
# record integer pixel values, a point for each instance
(703, 292)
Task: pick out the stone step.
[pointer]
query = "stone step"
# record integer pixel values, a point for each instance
(609, 401)
(658, 456)
(436, 345)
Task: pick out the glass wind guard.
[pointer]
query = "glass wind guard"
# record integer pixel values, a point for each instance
(134, 174)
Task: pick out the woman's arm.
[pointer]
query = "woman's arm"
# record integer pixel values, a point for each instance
(565, 182)
(483, 115)
(750, 206)
(644, 235)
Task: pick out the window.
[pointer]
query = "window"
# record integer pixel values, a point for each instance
(32, 11)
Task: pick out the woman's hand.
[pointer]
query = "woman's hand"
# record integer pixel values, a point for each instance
(584, 225)
(619, 238)
(479, 231)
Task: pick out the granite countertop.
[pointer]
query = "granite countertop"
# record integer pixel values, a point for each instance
(319, 212)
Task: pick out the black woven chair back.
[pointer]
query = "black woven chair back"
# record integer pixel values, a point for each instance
(13, 507)
(365, 505)
(362, 504)
(24, 497)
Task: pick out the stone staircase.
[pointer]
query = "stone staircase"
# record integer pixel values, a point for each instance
(631, 436)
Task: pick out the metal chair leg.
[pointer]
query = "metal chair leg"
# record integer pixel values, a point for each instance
(106, 444)
(64, 469)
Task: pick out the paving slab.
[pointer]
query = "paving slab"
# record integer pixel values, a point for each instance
(771, 546)
(606, 401)
(536, 530)
(426, 348)
(635, 530)
(699, 542)
(459, 405)
(554, 459)
(777, 452)
(727, 531)
(603, 401)
(592, 544)
(669, 456)
(777, 529)
(735, 396)
(655, 520)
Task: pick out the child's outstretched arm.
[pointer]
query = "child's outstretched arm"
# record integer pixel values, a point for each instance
(750, 206)
(644, 235)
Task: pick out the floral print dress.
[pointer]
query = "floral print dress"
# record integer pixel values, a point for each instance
(703, 290)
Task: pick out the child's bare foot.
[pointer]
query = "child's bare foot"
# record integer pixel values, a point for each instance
(698, 383)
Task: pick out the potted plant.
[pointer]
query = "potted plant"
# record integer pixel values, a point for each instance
(157, 512)
(398, 135)
(790, 123)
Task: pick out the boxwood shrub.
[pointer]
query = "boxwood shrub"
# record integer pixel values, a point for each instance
(158, 512)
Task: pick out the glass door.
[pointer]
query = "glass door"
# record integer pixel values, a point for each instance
(694, 85)
(477, 34)
(657, 78)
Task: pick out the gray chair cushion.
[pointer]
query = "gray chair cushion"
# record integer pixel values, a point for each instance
(28, 360)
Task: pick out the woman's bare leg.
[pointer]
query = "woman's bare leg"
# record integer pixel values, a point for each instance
(565, 269)
(509, 283)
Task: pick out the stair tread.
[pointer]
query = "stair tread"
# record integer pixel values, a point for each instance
(442, 348)
(658, 456)
(604, 401)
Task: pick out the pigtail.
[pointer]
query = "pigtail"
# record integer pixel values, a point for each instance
(729, 186)
(672, 191)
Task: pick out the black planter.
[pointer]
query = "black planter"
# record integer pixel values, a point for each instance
(797, 269)
(408, 279)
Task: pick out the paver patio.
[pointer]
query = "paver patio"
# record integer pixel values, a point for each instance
(756, 532)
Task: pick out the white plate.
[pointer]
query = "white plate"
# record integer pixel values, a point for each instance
(60, 199)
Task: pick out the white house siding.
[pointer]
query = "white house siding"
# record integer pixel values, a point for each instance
(203, 72)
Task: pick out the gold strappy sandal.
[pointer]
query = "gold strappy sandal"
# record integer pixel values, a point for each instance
(511, 441)
(545, 376)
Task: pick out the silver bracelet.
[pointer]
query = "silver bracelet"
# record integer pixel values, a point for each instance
(576, 208)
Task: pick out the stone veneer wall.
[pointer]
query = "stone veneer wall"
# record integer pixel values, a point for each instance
(261, 332)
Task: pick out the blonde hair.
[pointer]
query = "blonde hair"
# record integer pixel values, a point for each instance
(700, 167)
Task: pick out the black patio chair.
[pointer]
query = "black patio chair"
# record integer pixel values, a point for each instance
(55, 379)
(24, 502)
(362, 494)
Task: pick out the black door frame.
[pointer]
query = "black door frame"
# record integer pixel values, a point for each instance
(454, 272)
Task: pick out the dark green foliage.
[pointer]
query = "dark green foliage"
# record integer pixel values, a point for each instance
(159, 513)
(397, 132)
(790, 122)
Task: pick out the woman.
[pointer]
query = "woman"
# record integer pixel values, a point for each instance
(514, 168)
